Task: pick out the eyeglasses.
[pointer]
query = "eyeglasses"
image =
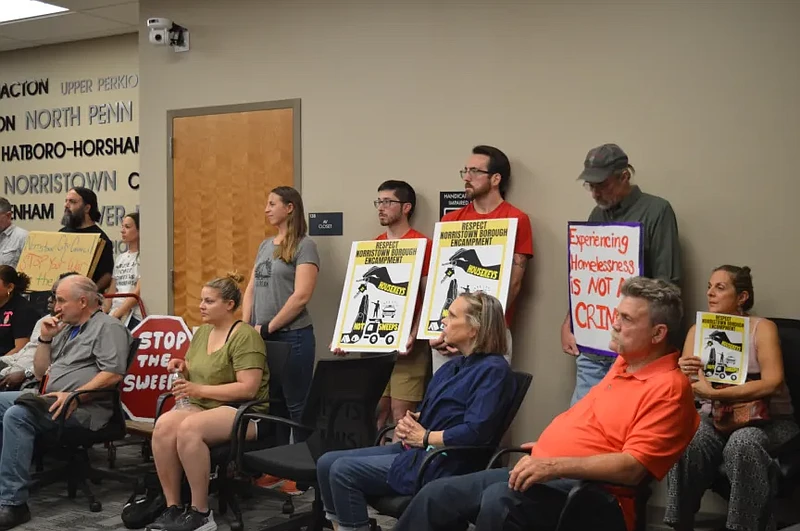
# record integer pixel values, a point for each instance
(472, 172)
(385, 202)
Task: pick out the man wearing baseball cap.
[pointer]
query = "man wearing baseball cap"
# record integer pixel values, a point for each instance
(607, 174)
(81, 215)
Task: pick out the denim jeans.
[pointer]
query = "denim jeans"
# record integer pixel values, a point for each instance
(346, 476)
(590, 370)
(484, 498)
(299, 371)
(20, 425)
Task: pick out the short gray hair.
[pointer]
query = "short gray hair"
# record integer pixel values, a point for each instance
(5, 205)
(81, 286)
(663, 300)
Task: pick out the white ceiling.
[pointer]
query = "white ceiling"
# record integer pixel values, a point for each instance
(86, 19)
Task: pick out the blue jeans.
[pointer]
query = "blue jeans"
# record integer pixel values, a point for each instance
(346, 476)
(590, 370)
(484, 498)
(299, 371)
(20, 426)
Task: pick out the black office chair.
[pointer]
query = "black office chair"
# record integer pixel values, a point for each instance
(394, 506)
(73, 444)
(224, 483)
(339, 414)
(786, 465)
(592, 505)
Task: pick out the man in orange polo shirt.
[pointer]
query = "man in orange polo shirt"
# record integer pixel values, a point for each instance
(486, 178)
(635, 423)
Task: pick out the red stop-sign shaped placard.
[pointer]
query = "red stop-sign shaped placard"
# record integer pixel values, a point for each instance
(162, 337)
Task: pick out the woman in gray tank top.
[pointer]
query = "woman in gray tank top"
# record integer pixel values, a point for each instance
(281, 285)
(744, 452)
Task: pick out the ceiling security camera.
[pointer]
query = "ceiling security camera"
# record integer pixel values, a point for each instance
(165, 32)
(159, 30)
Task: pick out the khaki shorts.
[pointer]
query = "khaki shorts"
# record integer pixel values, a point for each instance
(410, 371)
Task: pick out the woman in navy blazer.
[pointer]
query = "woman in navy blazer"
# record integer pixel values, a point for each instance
(465, 404)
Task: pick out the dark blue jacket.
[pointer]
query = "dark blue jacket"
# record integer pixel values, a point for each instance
(469, 399)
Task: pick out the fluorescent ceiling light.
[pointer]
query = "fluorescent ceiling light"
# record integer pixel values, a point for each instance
(11, 10)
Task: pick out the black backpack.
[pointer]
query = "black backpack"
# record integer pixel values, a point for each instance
(145, 504)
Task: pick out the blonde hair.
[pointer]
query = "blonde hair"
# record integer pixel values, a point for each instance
(295, 224)
(228, 287)
(485, 313)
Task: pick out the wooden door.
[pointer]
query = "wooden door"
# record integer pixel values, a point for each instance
(224, 166)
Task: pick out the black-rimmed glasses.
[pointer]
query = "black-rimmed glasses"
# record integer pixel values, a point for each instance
(473, 172)
(385, 202)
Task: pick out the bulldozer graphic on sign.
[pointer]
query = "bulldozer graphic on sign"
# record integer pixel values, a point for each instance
(371, 330)
(722, 364)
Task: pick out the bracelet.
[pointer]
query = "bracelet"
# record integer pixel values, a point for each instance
(425, 438)
(43, 341)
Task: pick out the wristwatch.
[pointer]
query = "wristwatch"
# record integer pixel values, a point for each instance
(29, 374)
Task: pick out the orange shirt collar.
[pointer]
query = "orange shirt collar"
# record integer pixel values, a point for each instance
(663, 364)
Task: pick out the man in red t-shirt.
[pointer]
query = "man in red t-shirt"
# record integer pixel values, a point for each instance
(486, 177)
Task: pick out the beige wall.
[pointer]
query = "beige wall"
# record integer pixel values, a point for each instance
(703, 96)
(95, 61)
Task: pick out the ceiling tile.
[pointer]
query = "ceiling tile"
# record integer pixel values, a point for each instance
(125, 13)
(11, 44)
(58, 26)
(79, 5)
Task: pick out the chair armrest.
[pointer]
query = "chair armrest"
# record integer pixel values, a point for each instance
(381, 434)
(504, 451)
(787, 458)
(448, 451)
(73, 396)
(587, 502)
(242, 408)
(162, 399)
(247, 417)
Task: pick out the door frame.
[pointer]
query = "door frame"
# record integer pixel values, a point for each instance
(293, 104)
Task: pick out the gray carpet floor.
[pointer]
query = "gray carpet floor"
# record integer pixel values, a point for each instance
(52, 510)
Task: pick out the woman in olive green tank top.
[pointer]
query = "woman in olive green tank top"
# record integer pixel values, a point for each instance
(225, 365)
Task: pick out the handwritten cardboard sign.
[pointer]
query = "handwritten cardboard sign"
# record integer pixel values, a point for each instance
(601, 257)
(46, 255)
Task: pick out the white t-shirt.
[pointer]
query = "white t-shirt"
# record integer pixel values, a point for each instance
(126, 275)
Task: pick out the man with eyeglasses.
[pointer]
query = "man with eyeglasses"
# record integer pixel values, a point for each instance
(17, 368)
(80, 348)
(12, 238)
(395, 204)
(607, 175)
(486, 178)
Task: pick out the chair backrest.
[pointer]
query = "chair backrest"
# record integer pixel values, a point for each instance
(118, 417)
(342, 401)
(789, 334)
(523, 381)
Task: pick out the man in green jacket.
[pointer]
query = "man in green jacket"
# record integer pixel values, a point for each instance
(607, 175)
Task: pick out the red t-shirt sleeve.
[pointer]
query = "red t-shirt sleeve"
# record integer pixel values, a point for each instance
(427, 262)
(524, 239)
